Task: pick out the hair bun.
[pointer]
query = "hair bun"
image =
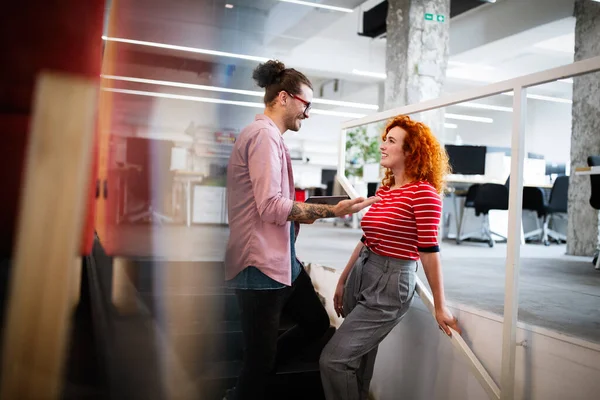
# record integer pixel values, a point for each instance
(268, 73)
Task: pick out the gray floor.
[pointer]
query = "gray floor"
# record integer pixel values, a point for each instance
(557, 292)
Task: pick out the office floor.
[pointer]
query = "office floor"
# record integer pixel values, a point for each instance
(557, 291)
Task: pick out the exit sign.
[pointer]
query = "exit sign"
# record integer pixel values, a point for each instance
(435, 17)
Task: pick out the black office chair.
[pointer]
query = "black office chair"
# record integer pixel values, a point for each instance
(469, 203)
(484, 198)
(594, 161)
(533, 200)
(557, 207)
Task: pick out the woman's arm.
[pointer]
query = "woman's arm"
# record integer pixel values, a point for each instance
(338, 297)
(433, 271)
(351, 262)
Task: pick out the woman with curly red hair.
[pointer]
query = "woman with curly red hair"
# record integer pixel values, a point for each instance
(376, 288)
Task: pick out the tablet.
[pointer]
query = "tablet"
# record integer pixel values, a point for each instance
(331, 200)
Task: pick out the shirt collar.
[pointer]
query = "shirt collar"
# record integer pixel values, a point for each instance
(263, 117)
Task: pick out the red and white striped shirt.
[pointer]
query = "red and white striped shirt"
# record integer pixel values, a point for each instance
(405, 221)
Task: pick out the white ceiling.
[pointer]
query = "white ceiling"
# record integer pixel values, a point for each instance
(325, 44)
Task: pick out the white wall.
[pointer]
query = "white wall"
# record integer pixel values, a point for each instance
(417, 361)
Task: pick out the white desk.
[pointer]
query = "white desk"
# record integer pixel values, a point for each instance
(187, 178)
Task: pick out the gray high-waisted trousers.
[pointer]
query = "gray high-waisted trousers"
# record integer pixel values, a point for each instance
(378, 293)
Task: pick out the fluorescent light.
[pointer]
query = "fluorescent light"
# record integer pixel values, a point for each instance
(229, 6)
(236, 91)
(183, 85)
(317, 5)
(450, 126)
(188, 98)
(371, 74)
(184, 48)
(351, 104)
(484, 106)
(336, 113)
(540, 97)
(568, 80)
(469, 118)
(221, 101)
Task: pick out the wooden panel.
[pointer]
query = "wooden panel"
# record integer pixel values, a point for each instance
(48, 235)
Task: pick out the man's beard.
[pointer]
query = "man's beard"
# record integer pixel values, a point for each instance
(291, 124)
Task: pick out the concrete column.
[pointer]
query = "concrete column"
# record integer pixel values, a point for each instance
(417, 55)
(582, 235)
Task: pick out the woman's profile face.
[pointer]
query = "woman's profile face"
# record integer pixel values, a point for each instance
(392, 152)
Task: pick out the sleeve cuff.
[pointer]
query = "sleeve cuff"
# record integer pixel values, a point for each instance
(430, 249)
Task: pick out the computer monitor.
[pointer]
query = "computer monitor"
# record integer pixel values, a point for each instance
(467, 160)
(558, 169)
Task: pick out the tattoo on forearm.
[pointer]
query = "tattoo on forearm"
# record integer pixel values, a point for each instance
(310, 212)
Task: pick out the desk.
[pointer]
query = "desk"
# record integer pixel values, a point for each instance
(587, 170)
(458, 186)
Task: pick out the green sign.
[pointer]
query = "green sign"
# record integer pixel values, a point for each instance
(438, 17)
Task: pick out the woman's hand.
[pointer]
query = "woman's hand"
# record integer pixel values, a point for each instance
(446, 320)
(338, 299)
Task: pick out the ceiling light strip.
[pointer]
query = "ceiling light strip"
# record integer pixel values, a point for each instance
(185, 48)
(481, 106)
(469, 118)
(318, 5)
(221, 101)
(369, 74)
(541, 97)
(235, 91)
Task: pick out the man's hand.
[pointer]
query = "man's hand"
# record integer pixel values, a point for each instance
(346, 207)
(303, 212)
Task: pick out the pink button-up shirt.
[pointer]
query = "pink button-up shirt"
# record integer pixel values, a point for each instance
(260, 193)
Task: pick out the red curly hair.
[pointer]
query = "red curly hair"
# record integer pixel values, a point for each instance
(426, 159)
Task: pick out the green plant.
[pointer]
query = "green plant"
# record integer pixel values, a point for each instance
(361, 149)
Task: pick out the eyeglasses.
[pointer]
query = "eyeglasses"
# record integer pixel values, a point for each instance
(308, 104)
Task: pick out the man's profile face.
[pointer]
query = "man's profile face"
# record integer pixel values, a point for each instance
(296, 108)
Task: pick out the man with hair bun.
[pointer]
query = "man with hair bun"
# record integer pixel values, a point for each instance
(260, 261)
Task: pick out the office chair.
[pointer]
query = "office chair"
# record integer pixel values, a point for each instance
(469, 203)
(533, 200)
(484, 198)
(594, 161)
(557, 205)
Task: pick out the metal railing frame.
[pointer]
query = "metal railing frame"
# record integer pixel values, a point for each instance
(519, 87)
